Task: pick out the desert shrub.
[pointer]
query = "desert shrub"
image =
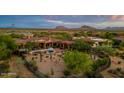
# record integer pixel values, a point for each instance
(31, 45)
(105, 49)
(99, 63)
(33, 65)
(4, 67)
(109, 35)
(17, 35)
(52, 71)
(66, 72)
(63, 36)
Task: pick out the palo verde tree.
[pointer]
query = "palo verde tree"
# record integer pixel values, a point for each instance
(63, 36)
(122, 44)
(81, 45)
(7, 46)
(109, 35)
(31, 45)
(78, 62)
(105, 49)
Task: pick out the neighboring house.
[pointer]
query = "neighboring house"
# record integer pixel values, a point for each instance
(99, 41)
(75, 38)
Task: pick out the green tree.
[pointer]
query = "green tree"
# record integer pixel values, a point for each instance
(63, 36)
(100, 62)
(33, 64)
(122, 44)
(17, 35)
(4, 67)
(116, 43)
(109, 35)
(81, 45)
(4, 52)
(7, 46)
(89, 33)
(78, 62)
(77, 34)
(8, 41)
(31, 45)
(105, 49)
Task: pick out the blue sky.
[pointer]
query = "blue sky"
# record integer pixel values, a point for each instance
(51, 21)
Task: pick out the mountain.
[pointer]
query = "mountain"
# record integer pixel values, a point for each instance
(61, 28)
(114, 28)
(82, 28)
(85, 27)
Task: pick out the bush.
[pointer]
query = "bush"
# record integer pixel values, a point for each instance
(122, 44)
(99, 63)
(31, 45)
(52, 71)
(122, 56)
(105, 49)
(118, 69)
(66, 72)
(33, 65)
(17, 35)
(109, 35)
(63, 36)
(4, 67)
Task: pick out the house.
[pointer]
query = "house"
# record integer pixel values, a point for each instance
(99, 41)
(45, 42)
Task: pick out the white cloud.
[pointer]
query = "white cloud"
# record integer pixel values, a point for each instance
(95, 24)
(116, 23)
(62, 22)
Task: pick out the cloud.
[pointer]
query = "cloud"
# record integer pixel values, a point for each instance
(63, 23)
(95, 24)
(117, 17)
(5, 25)
(113, 24)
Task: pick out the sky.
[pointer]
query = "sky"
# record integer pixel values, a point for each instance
(51, 21)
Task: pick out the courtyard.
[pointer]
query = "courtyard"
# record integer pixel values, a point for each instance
(52, 64)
